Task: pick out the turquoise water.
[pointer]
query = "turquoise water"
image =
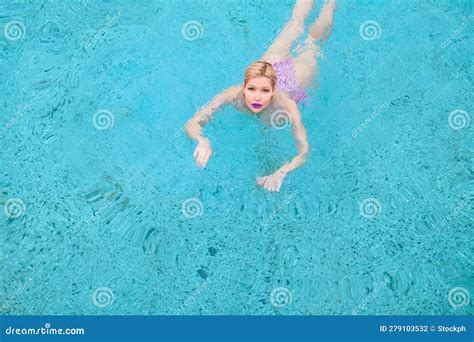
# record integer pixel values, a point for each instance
(95, 219)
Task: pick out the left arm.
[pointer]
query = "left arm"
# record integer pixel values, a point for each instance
(274, 181)
(299, 132)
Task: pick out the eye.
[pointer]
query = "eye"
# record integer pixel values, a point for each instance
(251, 88)
(266, 90)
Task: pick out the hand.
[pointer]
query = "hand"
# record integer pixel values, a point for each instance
(202, 152)
(272, 182)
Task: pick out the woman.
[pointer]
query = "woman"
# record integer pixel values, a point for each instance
(275, 83)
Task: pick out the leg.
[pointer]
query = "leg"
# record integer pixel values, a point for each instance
(280, 49)
(306, 64)
(321, 29)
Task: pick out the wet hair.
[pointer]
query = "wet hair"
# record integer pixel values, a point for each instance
(259, 69)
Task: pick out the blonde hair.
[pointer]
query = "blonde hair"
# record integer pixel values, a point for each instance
(259, 69)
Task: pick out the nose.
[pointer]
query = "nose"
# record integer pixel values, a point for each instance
(257, 96)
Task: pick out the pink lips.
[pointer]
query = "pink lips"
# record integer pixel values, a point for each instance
(256, 105)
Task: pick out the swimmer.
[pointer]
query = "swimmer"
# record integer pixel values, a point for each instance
(276, 82)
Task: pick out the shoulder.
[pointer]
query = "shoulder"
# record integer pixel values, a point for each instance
(233, 93)
(282, 100)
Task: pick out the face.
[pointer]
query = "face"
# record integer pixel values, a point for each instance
(258, 93)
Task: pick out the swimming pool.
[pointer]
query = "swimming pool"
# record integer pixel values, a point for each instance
(106, 213)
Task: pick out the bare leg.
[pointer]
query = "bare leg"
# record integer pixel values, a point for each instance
(280, 49)
(305, 63)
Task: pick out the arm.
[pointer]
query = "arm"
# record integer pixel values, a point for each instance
(204, 114)
(274, 181)
(194, 126)
(299, 132)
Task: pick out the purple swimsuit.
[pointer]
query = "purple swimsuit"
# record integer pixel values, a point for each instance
(286, 79)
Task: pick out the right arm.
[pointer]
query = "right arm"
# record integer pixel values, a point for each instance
(204, 114)
(194, 126)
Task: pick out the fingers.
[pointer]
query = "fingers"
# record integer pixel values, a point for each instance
(202, 157)
(279, 186)
(270, 184)
(266, 184)
(198, 156)
(206, 157)
(263, 181)
(273, 185)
